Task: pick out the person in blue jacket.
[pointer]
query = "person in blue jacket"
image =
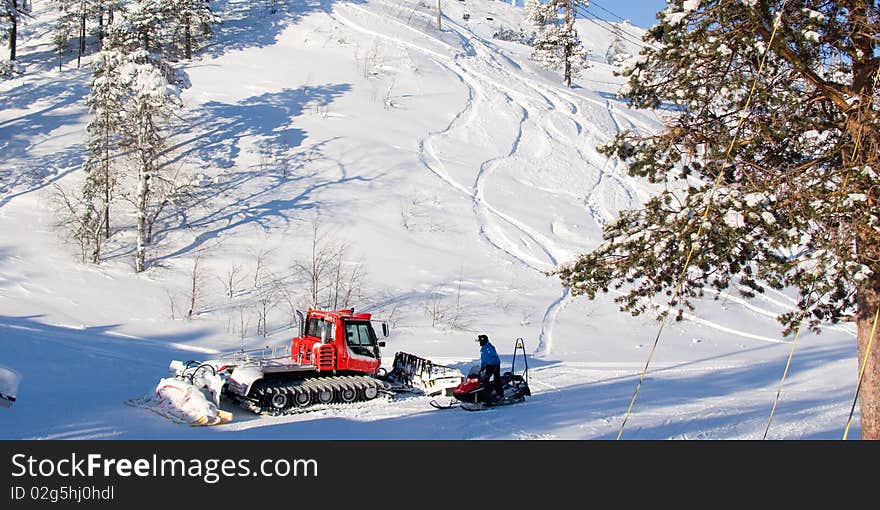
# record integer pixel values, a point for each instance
(490, 365)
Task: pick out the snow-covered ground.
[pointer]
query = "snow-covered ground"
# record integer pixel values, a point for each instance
(456, 172)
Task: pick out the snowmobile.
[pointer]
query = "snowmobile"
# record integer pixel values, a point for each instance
(476, 392)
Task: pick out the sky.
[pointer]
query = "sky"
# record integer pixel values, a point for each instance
(638, 12)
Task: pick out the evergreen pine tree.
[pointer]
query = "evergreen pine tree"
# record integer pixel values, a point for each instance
(134, 91)
(11, 16)
(104, 11)
(154, 97)
(106, 106)
(796, 205)
(557, 45)
(617, 54)
(67, 26)
(146, 20)
(73, 20)
(190, 21)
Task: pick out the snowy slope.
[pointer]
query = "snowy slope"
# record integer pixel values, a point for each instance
(457, 173)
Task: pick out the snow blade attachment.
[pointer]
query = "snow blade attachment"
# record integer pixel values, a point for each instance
(9, 380)
(411, 371)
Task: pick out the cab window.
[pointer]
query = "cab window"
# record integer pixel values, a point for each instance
(360, 339)
(314, 326)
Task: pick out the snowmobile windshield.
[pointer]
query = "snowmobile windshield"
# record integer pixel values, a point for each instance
(474, 371)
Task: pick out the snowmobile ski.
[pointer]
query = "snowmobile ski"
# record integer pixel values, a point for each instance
(448, 405)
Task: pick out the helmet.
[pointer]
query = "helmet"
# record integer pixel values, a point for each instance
(482, 339)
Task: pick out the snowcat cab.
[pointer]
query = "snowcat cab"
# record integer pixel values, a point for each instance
(338, 341)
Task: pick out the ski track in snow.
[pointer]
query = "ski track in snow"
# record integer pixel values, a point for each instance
(769, 313)
(468, 112)
(555, 104)
(522, 93)
(552, 101)
(476, 84)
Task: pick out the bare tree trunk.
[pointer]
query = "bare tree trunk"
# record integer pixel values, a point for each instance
(96, 238)
(439, 14)
(233, 278)
(194, 288)
(566, 49)
(82, 34)
(101, 26)
(353, 285)
(152, 218)
(106, 179)
(869, 393)
(316, 269)
(265, 301)
(13, 30)
(868, 300)
(337, 277)
(337, 280)
(82, 31)
(188, 37)
(141, 205)
(260, 257)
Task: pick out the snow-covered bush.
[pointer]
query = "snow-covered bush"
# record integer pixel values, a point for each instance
(517, 36)
(10, 69)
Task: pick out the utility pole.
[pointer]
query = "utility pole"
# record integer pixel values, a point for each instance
(439, 13)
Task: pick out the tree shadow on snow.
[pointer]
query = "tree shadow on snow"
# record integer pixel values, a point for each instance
(281, 176)
(21, 171)
(63, 367)
(256, 209)
(258, 24)
(220, 127)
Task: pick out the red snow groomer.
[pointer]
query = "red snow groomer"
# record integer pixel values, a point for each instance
(334, 360)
